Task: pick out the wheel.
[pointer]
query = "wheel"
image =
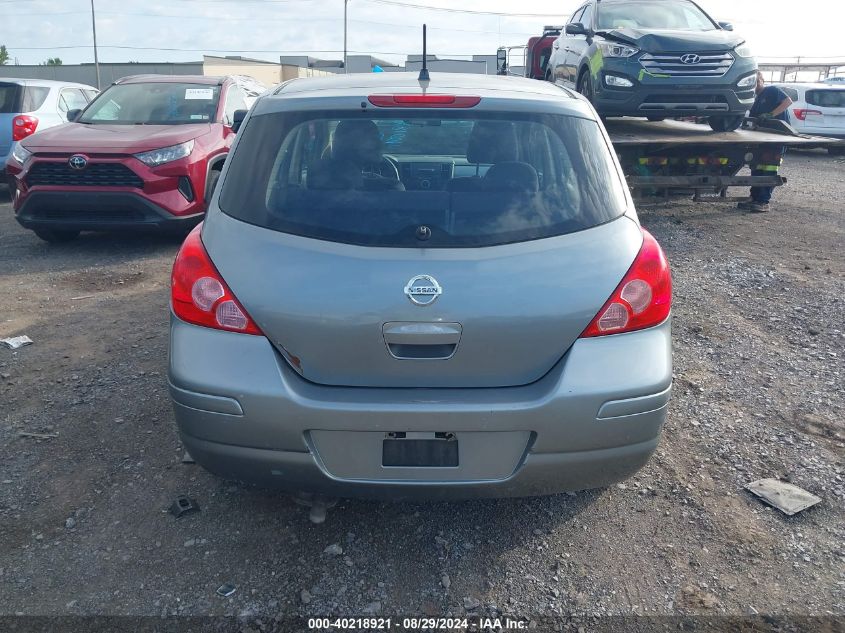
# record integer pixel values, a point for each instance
(725, 123)
(656, 117)
(211, 184)
(585, 86)
(834, 150)
(55, 236)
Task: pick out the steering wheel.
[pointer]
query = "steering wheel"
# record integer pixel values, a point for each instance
(387, 168)
(384, 175)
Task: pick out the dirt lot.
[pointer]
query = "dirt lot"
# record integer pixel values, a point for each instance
(760, 369)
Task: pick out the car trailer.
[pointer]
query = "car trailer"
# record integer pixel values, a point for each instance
(667, 158)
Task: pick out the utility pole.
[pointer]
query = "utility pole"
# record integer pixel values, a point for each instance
(345, 3)
(96, 59)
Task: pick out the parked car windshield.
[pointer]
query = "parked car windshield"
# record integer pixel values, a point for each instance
(456, 179)
(653, 14)
(154, 103)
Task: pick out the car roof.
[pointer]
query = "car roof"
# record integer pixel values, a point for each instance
(624, 1)
(808, 86)
(172, 79)
(497, 93)
(46, 83)
(358, 84)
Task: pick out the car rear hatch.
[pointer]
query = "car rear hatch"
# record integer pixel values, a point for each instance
(826, 109)
(11, 97)
(402, 280)
(504, 317)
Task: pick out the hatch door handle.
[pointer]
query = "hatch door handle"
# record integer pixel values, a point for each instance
(404, 333)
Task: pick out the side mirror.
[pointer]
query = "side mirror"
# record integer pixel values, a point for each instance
(501, 60)
(238, 117)
(73, 115)
(726, 26)
(575, 28)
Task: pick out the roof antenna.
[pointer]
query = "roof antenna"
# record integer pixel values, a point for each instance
(424, 70)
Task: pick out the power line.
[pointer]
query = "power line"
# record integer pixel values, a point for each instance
(408, 5)
(226, 50)
(261, 19)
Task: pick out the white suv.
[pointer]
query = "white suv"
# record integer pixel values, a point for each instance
(818, 109)
(31, 105)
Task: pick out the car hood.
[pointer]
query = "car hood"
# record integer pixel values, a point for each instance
(123, 139)
(652, 41)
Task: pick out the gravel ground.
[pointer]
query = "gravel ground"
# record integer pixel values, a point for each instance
(760, 359)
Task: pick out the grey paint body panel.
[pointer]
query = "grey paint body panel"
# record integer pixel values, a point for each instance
(521, 306)
(561, 411)
(634, 406)
(205, 402)
(357, 456)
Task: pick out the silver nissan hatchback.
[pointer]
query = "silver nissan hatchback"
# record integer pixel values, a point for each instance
(421, 289)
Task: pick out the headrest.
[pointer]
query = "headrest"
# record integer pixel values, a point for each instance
(492, 142)
(358, 141)
(512, 176)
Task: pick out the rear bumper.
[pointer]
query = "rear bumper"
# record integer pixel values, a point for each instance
(5, 178)
(828, 132)
(97, 211)
(593, 420)
(538, 474)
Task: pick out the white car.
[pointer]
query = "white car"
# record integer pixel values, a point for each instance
(818, 110)
(31, 105)
(251, 87)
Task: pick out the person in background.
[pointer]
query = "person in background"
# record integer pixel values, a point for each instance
(771, 103)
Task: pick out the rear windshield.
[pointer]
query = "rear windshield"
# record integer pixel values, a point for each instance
(153, 103)
(826, 98)
(653, 14)
(422, 179)
(10, 98)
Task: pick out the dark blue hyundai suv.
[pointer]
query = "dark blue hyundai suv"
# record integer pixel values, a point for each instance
(656, 59)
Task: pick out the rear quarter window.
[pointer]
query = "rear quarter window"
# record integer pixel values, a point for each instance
(34, 97)
(456, 178)
(826, 98)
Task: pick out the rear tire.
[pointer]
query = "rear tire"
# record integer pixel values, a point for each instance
(55, 236)
(725, 123)
(655, 118)
(836, 151)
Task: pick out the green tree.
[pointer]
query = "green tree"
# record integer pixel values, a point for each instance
(4, 55)
(53, 61)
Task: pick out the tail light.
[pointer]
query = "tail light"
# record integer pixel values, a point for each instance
(200, 296)
(424, 101)
(23, 125)
(801, 113)
(642, 300)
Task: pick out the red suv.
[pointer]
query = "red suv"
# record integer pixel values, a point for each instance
(146, 152)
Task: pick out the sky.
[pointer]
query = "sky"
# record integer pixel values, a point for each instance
(182, 30)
